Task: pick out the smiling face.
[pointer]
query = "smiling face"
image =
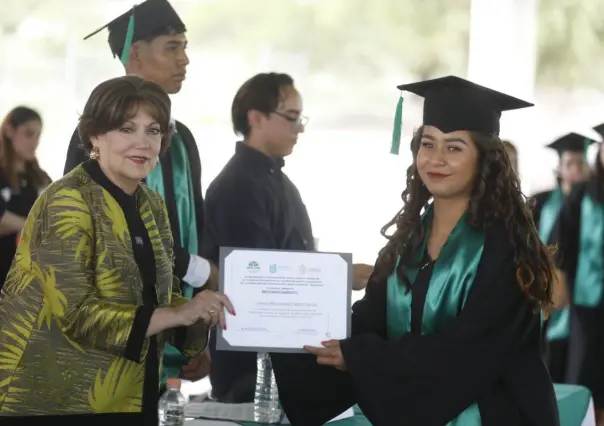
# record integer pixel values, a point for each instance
(128, 154)
(447, 162)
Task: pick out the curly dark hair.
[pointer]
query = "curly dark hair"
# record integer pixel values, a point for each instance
(496, 185)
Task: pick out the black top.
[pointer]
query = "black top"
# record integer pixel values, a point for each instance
(490, 355)
(250, 204)
(76, 155)
(18, 202)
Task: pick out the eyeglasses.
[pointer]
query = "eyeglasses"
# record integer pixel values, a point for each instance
(301, 120)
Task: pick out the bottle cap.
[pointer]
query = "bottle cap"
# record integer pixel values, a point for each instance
(173, 383)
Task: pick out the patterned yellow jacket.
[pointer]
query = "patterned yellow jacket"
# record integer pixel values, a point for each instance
(68, 306)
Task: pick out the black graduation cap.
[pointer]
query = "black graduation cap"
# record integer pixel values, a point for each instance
(452, 103)
(600, 129)
(573, 142)
(149, 19)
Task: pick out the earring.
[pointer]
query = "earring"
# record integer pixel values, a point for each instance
(94, 153)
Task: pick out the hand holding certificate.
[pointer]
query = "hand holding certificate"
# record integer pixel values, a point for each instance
(285, 300)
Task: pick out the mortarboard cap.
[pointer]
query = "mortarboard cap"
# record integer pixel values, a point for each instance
(600, 129)
(573, 142)
(452, 103)
(149, 19)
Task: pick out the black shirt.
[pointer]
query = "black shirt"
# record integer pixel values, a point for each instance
(250, 204)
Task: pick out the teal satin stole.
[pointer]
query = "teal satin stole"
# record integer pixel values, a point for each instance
(558, 327)
(183, 195)
(185, 207)
(590, 277)
(549, 214)
(452, 278)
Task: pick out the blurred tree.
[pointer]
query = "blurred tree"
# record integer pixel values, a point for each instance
(356, 38)
(571, 43)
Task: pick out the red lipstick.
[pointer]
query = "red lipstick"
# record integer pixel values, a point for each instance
(432, 175)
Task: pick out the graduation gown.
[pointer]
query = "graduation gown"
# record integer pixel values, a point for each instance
(555, 340)
(489, 356)
(579, 233)
(76, 155)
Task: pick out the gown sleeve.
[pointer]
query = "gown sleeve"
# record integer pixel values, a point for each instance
(313, 394)
(425, 379)
(189, 340)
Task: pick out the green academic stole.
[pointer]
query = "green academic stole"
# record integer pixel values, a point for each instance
(183, 195)
(185, 208)
(558, 321)
(549, 214)
(452, 278)
(590, 277)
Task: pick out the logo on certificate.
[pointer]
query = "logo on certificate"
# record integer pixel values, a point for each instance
(302, 269)
(272, 268)
(253, 266)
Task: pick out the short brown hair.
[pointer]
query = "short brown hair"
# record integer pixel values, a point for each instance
(262, 92)
(115, 101)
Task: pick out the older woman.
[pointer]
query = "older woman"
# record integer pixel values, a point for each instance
(91, 298)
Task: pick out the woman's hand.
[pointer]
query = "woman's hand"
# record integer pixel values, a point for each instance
(208, 306)
(330, 354)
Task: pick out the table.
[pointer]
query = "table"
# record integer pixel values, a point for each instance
(574, 403)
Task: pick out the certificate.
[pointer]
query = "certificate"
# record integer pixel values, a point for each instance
(284, 299)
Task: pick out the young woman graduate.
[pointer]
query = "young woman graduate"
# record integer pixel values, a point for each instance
(572, 169)
(449, 329)
(579, 235)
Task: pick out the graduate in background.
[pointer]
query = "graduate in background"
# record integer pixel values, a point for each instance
(21, 178)
(572, 169)
(579, 235)
(150, 41)
(449, 329)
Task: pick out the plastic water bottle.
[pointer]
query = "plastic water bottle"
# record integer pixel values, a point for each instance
(266, 397)
(172, 404)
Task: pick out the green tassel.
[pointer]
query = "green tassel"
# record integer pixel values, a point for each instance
(128, 40)
(398, 126)
(586, 144)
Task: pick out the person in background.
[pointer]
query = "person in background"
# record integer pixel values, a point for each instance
(21, 178)
(572, 169)
(253, 204)
(150, 41)
(92, 297)
(448, 332)
(579, 236)
(512, 152)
